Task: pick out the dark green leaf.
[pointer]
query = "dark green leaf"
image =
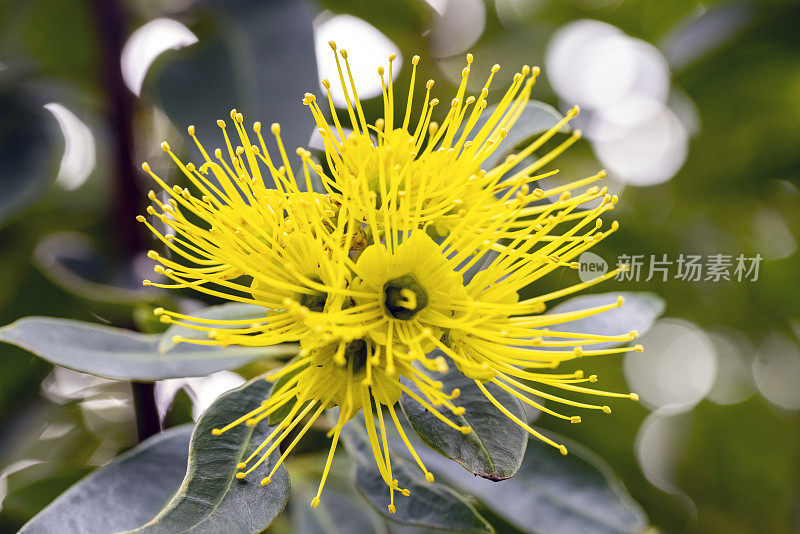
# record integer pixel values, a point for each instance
(340, 511)
(71, 261)
(229, 311)
(27, 152)
(124, 354)
(495, 447)
(211, 499)
(257, 57)
(639, 312)
(551, 493)
(430, 505)
(123, 494)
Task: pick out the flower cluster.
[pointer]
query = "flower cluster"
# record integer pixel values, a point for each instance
(397, 243)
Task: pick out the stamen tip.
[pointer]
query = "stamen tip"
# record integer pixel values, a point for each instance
(265, 481)
(634, 396)
(392, 509)
(465, 429)
(638, 348)
(240, 475)
(606, 409)
(241, 465)
(216, 432)
(562, 449)
(575, 419)
(314, 502)
(429, 476)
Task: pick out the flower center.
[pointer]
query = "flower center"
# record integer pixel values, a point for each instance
(314, 301)
(404, 297)
(356, 353)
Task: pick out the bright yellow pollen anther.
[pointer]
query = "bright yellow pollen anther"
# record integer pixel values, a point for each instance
(216, 432)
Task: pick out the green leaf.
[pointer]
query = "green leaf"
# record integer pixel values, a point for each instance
(211, 499)
(257, 57)
(340, 511)
(71, 261)
(27, 151)
(430, 505)
(495, 447)
(551, 493)
(639, 312)
(229, 311)
(123, 354)
(123, 494)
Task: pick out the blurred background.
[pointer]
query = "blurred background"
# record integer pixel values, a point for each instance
(693, 107)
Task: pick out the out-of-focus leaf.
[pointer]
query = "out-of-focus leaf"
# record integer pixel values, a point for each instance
(340, 511)
(123, 354)
(257, 57)
(639, 312)
(27, 152)
(230, 311)
(496, 445)
(552, 493)
(123, 494)
(536, 118)
(211, 499)
(430, 505)
(72, 262)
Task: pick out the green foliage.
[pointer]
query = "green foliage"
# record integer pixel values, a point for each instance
(27, 146)
(124, 494)
(211, 498)
(495, 446)
(430, 505)
(123, 354)
(257, 57)
(554, 493)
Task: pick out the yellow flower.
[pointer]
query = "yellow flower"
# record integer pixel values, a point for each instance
(404, 286)
(315, 381)
(289, 252)
(396, 174)
(377, 271)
